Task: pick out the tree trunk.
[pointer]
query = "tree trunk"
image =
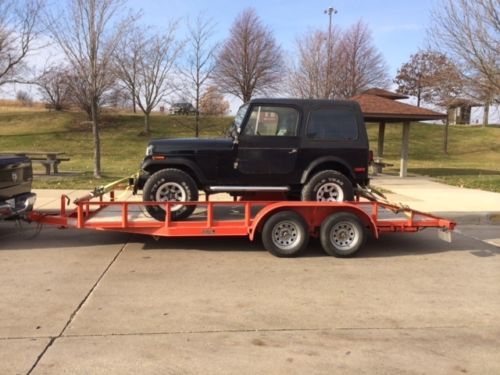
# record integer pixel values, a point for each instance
(97, 141)
(146, 123)
(134, 104)
(486, 113)
(197, 120)
(247, 96)
(197, 115)
(445, 143)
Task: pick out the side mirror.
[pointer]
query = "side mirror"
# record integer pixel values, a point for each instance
(234, 133)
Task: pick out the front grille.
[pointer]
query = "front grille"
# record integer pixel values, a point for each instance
(23, 174)
(27, 173)
(6, 176)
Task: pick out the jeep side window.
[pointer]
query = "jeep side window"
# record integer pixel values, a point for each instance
(272, 121)
(332, 124)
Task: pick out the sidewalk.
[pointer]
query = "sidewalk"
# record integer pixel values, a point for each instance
(471, 206)
(467, 206)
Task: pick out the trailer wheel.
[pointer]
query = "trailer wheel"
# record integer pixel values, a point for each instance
(285, 234)
(170, 185)
(342, 234)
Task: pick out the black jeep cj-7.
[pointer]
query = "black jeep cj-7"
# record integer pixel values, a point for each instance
(308, 149)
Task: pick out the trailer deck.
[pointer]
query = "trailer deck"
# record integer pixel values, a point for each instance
(238, 218)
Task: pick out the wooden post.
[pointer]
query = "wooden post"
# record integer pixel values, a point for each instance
(404, 150)
(381, 134)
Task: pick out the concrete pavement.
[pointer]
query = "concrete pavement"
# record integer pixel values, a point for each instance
(470, 206)
(86, 302)
(91, 302)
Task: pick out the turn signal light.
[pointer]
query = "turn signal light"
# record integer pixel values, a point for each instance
(158, 157)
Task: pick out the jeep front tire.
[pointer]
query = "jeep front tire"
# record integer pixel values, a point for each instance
(328, 186)
(170, 185)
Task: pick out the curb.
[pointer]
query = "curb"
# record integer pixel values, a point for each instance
(472, 218)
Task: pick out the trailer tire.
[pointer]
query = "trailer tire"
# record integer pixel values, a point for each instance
(342, 234)
(285, 234)
(165, 185)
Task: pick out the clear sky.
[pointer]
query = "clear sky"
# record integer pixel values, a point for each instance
(398, 26)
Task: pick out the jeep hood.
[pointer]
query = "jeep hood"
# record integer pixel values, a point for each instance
(190, 145)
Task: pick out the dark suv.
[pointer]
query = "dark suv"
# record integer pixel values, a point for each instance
(182, 109)
(307, 149)
(16, 175)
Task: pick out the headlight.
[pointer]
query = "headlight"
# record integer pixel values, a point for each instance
(149, 150)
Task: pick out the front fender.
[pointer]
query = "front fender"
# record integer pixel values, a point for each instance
(185, 164)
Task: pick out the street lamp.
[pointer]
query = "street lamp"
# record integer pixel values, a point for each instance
(330, 11)
(329, 88)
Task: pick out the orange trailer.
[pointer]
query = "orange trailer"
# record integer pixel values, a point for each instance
(285, 226)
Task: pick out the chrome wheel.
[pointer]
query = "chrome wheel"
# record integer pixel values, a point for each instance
(286, 234)
(171, 192)
(330, 192)
(344, 235)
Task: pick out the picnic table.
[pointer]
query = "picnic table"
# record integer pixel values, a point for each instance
(378, 164)
(50, 159)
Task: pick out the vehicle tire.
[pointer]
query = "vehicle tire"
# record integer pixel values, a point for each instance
(328, 186)
(342, 234)
(285, 234)
(170, 185)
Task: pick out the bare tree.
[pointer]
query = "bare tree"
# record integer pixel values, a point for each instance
(430, 76)
(18, 30)
(212, 102)
(355, 64)
(250, 61)
(468, 30)
(53, 86)
(88, 32)
(156, 60)
(127, 61)
(308, 77)
(359, 64)
(200, 60)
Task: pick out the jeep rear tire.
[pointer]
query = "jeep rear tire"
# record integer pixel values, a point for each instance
(328, 186)
(170, 185)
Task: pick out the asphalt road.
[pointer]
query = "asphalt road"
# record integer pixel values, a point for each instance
(93, 302)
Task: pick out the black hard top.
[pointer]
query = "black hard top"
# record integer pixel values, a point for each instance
(305, 102)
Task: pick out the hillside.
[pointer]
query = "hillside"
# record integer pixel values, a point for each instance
(473, 159)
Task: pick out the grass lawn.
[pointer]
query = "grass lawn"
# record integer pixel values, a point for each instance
(473, 159)
(122, 148)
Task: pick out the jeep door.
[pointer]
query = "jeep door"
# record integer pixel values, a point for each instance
(268, 144)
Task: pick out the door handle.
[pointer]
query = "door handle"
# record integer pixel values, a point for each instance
(292, 151)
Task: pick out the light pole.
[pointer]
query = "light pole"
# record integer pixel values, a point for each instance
(329, 87)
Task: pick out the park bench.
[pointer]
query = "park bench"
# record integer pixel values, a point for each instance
(50, 160)
(378, 164)
(49, 164)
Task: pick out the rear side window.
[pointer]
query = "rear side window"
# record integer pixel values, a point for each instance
(332, 124)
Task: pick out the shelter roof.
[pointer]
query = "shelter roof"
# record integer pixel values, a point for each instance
(385, 93)
(376, 108)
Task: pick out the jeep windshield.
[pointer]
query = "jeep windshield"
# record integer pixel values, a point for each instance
(240, 115)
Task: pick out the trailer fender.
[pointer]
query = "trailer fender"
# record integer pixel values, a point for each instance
(313, 212)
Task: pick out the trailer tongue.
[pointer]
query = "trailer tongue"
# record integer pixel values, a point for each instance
(285, 226)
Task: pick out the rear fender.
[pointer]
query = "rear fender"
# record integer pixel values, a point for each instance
(325, 160)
